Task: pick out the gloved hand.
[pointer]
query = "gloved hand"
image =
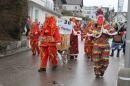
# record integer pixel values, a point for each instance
(75, 33)
(121, 33)
(104, 31)
(36, 32)
(58, 43)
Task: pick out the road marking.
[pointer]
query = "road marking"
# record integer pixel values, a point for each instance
(124, 78)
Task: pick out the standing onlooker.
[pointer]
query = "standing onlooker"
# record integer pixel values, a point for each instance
(117, 45)
(30, 21)
(27, 26)
(37, 23)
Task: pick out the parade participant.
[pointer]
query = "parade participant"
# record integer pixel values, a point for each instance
(34, 34)
(82, 27)
(100, 33)
(88, 43)
(50, 38)
(117, 45)
(74, 39)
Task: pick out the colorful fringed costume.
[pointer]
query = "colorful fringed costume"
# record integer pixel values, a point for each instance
(100, 33)
(88, 43)
(74, 39)
(34, 38)
(50, 37)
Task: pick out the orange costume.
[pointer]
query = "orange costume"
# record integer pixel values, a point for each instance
(88, 44)
(50, 38)
(34, 34)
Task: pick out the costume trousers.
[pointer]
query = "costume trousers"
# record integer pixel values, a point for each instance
(34, 46)
(48, 52)
(100, 60)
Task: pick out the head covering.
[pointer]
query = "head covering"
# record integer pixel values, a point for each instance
(118, 25)
(99, 11)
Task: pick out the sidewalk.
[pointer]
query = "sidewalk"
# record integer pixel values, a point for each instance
(16, 47)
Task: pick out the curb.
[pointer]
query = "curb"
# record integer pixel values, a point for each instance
(13, 52)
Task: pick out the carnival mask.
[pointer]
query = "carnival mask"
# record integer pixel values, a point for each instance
(100, 19)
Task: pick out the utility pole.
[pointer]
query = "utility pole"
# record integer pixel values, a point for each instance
(127, 50)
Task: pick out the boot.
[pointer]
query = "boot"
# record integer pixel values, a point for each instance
(118, 52)
(71, 57)
(112, 53)
(54, 67)
(42, 69)
(76, 57)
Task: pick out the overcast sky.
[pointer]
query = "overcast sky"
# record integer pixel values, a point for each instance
(105, 3)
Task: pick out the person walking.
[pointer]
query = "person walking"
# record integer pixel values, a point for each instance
(33, 36)
(50, 38)
(100, 33)
(74, 39)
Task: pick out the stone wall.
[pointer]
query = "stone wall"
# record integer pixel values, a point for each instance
(15, 47)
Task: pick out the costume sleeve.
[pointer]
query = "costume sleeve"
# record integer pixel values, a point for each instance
(110, 30)
(95, 33)
(57, 35)
(76, 33)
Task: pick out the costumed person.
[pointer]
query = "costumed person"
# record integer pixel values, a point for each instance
(100, 34)
(82, 27)
(50, 38)
(117, 41)
(34, 35)
(74, 39)
(88, 43)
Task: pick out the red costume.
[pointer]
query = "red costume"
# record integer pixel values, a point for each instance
(34, 38)
(50, 38)
(74, 39)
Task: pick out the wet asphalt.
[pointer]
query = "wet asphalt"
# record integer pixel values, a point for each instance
(22, 70)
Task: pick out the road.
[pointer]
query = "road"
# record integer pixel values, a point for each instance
(22, 70)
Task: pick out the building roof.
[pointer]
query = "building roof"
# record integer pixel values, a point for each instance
(113, 14)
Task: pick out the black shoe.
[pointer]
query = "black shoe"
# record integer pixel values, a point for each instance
(71, 57)
(97, 76)
(76, 57)
(112, 53)
(54, 67)
(118, 53)
(42, 69)
(33, 54)
(102, 73)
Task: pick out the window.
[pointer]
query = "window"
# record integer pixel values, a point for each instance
(36, 14)
(88, 12)
(120, 19)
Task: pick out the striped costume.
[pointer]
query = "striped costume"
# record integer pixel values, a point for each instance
(101, 47)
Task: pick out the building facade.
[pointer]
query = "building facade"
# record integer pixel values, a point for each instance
(89, 11)
(74, 6)
(39, 8)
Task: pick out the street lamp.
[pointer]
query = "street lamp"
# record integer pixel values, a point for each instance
(110, 12)
(127, 50)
